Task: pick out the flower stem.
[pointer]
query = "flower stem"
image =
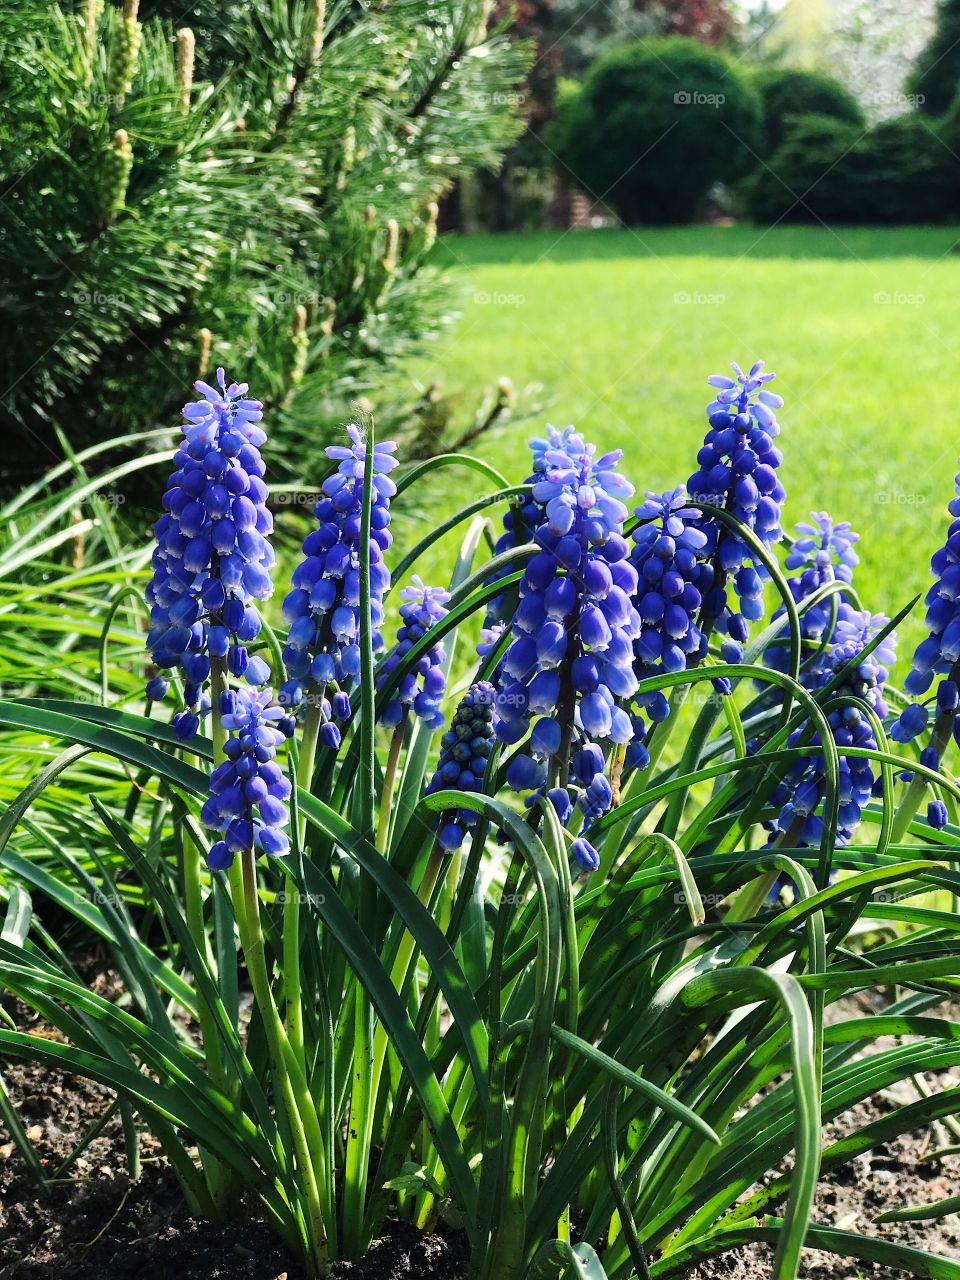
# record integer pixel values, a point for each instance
(291, 1083)
(291, 898)
(389, 781)
(220, 1180)
(367, 1073)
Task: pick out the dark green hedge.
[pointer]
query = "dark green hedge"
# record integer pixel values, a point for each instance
(786, 92)
(826, 170)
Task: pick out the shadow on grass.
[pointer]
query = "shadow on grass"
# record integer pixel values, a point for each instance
(799, 242)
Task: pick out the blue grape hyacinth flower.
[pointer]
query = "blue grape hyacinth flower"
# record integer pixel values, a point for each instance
(668, 553)
(464, 751)
(249, 789)
(801, 793)
(521, 520)
(322, 653)
(423, 687)
(571, 656)
(822, 553)
(213, 558)
(737, 470)
(938, 654)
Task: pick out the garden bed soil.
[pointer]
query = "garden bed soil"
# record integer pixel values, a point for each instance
(99, 1224)
(889, 1176)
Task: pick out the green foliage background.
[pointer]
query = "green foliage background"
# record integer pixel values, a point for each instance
(653, 125)
(266, 205)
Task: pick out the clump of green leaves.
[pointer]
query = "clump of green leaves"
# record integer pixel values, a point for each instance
(592, 1078)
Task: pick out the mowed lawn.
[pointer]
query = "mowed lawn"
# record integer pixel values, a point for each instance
(616, 331)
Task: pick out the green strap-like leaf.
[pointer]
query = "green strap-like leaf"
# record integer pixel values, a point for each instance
(847, 1244)
(124, 746)
(623, 1075)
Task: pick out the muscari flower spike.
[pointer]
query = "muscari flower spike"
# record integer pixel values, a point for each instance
(249, 789)
(212, 558)
(822, 553)
(938, 654)
(520, 523)
(322, 651)
(738, 471)
(464, 751)
(571, 656)
(423, 687)
(668, 556)
(801, 792)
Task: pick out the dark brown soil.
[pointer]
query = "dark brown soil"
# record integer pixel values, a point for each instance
(97, 1224)
(889, 1176)
(407, 1254)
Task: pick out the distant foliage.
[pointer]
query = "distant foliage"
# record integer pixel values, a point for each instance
(825, 171)
(708, 21)
(655, 125)
(936, 76)
(787, 92)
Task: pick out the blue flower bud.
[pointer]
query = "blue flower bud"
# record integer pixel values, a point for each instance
(451, 836)
(948, 696)
(559, 797)
(524, 773)
(937, 815)
(912, 722)
(157, 688)
(585, 855)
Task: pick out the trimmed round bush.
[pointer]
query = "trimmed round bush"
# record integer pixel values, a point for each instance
(900, 172)
(786, 92)
(654, 125)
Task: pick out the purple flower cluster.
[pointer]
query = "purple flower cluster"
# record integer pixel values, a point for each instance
(822, 553)
(248, 789)
(672, 575)
(800, 794)
(323, 609)
(423, 687)
(212, 558)
(938, 654)
(464, 751)
(520, 523)
(571, 657)
(738, 471)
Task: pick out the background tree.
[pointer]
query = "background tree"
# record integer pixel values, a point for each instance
(654, 125)
(709, 21)
(258, 190)
(830, 171)
(936, 76)
(868, 45)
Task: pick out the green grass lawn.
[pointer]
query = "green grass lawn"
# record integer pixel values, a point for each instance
(617, 331)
